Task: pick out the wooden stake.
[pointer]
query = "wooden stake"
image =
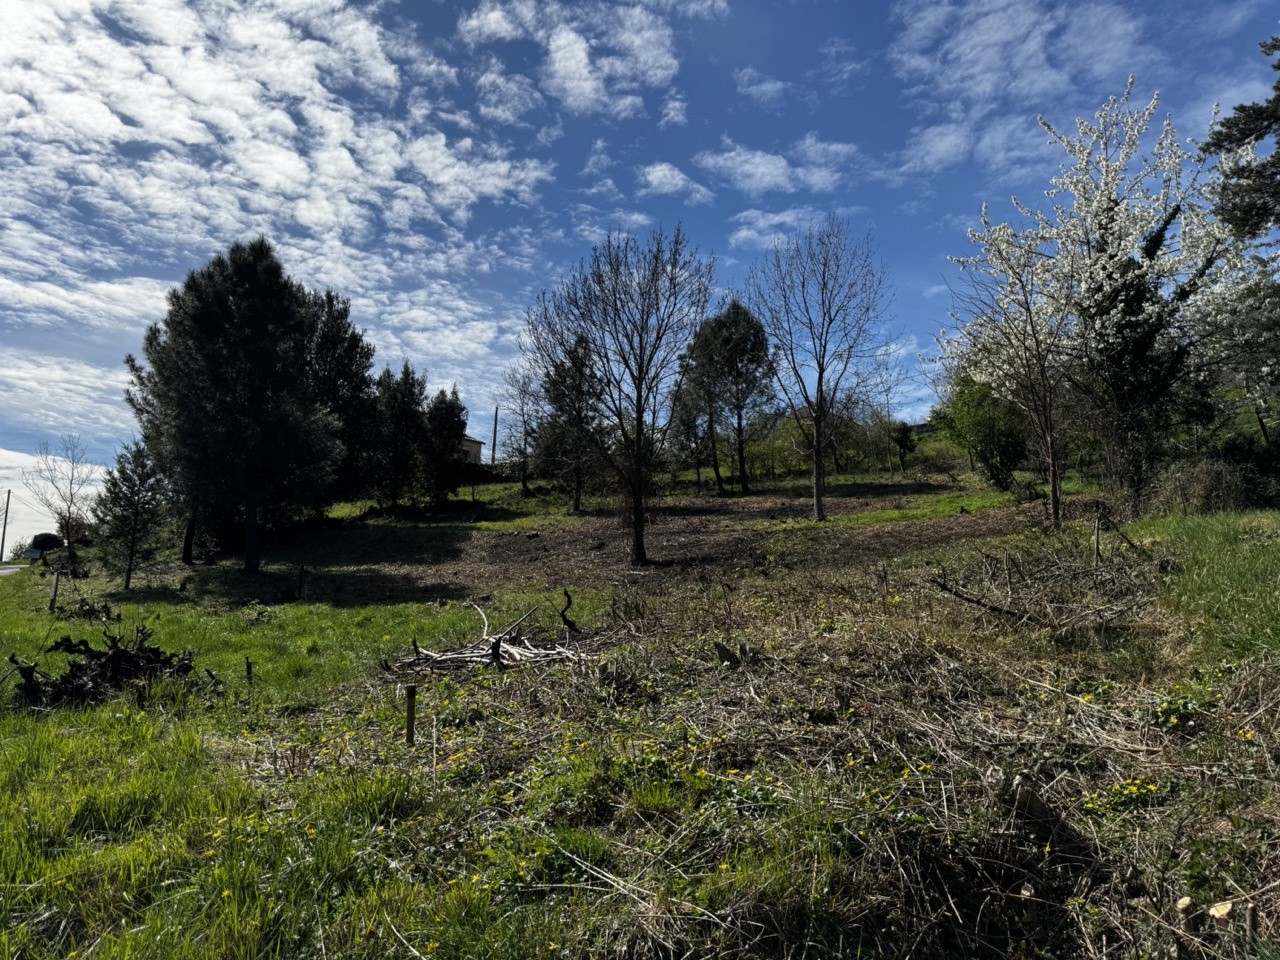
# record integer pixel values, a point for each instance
(53, 594)
(1097, 541)
(410, 712)
(248, 672)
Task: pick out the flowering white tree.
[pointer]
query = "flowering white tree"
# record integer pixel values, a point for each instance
(1104, 292)
(1015, 335)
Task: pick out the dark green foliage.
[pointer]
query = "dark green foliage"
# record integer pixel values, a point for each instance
(46, 541)
(339, 361)
(443, 468)
(990, 430)
(129, 512)
(401, 434)
(1249, 198)
(1134, 363)
(227, 397)
(729, 371)
(904, 442)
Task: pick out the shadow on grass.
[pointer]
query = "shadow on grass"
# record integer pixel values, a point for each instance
(331, 587)
(875, 490)
(348, 564)
(364, 543)
(362, 588)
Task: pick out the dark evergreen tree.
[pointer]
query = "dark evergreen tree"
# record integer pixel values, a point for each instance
(225, 401)
(444, 469)
(904, 442)
(129, 512)
(398, 453)
(1135, 354)
(1249, 197)
(731, 370)
(338, 365)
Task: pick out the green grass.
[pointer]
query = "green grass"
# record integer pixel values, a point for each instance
(925, 506)
(1224, 588)
(829, 792)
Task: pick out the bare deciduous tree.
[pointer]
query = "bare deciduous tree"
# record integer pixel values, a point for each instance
(822, 299)
(631, 308)
(522, 398)
(60, 482)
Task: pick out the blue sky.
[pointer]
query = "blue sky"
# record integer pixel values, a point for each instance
(440, 163)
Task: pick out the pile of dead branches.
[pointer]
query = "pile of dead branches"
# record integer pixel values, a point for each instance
(509, 647)
(1047, 589)
(94, 675)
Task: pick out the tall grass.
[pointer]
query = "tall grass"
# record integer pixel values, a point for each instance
(1225, 587)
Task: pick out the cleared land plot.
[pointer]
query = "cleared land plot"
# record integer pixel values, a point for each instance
(947, 735)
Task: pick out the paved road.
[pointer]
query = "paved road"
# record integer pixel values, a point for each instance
(7, 570)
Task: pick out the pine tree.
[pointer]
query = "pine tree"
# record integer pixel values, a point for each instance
(129, 512)
(401, 432)
(224, 401)
(444, 467)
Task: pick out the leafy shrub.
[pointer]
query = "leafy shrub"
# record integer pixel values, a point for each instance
(46, 541)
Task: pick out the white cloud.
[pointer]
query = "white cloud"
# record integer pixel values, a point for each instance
(593, 224)
(818, 166)
(840, 66)
(505, 97)
(761, 229)
(598, 161)
(139, 143)
(490, 22)
(570, 77)
(691, 8)
(764, 90)
(978, 64)
(673, 112)
(599, 58)
(664, 179)
(57, 395)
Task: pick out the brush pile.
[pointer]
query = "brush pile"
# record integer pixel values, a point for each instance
(94, 675)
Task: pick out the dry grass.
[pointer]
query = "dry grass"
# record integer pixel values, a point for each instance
(891, 741)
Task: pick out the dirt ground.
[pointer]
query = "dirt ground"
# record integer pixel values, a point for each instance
(691, 538)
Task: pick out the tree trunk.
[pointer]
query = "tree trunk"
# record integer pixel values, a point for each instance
(577, 489)
(132, 551)
(740, 439)
(819, 472)
(189, 538)
(252, 558)
(1262, 425)
(638, 556)
(1055, 480)
(715, 454)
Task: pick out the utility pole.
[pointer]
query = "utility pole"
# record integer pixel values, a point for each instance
(5, 527)
(493, 450)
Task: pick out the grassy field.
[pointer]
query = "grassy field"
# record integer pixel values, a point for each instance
(908, 732)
